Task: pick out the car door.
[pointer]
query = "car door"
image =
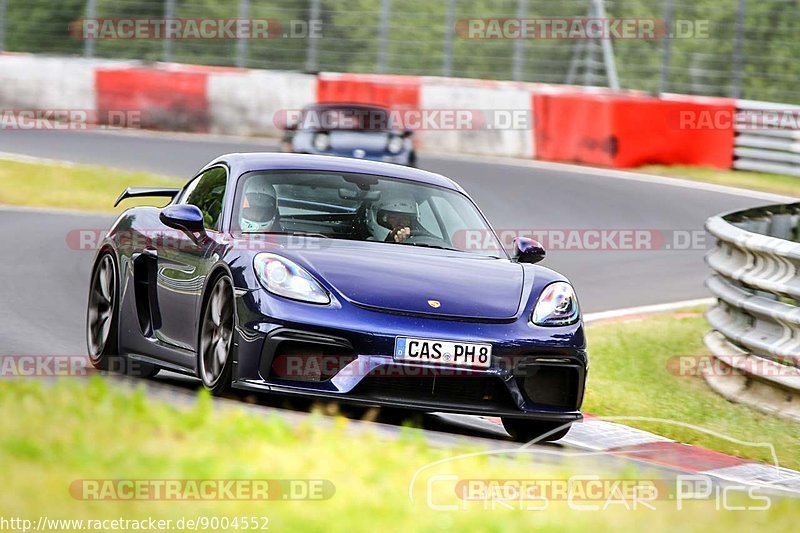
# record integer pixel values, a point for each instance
(184, 260)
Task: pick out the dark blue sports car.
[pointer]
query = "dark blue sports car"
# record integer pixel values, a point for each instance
(349, 130)
(340, 279)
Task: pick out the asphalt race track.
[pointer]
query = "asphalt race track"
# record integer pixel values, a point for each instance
(42, 301)
(43, 290)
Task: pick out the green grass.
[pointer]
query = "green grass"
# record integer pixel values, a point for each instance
(759, 181)
(54, 434)
(629, 376)
(82, 187)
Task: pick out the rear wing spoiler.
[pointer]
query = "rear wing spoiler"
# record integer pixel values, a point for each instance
(136, 192)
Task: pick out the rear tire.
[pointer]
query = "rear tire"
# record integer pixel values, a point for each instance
(523, 430)
(214, 361)
(102, 320)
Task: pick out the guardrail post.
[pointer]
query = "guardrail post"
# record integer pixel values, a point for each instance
(3, 11)
(312, 62)
(383, 35)
(169, 13)
(449, 31)
(666, 47)
(242, 44)
(519, 44)
(91, 13)
(738, 50)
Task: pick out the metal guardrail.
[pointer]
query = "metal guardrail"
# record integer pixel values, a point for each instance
(755, 341)
(763, 147)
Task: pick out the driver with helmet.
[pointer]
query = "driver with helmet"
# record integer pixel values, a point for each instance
(398, 215)
(259, 206)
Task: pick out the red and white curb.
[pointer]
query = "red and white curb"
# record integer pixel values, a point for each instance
(597, 435)
(609, 437)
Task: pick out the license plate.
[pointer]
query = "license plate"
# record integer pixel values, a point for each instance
(443, 352)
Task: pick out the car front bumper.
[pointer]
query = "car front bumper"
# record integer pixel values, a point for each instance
(346, 355)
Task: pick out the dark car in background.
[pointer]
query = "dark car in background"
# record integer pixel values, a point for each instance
(349, 130)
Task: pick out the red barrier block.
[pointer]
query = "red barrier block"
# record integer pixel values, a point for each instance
(161, 98)
(626, 131)
(572, 127)
(395, 92)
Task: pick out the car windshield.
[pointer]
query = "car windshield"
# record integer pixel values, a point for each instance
(361, 207)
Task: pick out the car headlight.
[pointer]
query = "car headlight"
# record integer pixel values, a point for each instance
(286, 278)
(556, 306)
(395, 144)
(321, 142)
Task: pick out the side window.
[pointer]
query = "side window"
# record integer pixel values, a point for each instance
(428, 220)
(187, 190)
(208, 193)
(452, 220)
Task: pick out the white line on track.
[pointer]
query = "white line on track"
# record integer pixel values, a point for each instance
(646, 309)
(56, 211)
(22, 158)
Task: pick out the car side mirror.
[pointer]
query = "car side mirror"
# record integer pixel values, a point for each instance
(184, 217)
(528, 251)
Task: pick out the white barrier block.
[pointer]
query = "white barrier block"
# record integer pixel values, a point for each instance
(484, 96)
(41, 82)
(246, 102)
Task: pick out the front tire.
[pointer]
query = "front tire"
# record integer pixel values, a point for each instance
(102, 320)
(214, 361)
(527, 430)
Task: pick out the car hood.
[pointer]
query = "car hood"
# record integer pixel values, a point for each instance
(409, 279)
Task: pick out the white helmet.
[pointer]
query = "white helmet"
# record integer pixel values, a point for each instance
(259, 205)
(379, 212)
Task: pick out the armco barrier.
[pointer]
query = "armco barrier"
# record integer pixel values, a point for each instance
(756, 320)
(773, 149)
(629, 130)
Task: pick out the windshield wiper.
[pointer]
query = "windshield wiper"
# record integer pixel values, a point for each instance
(298, 233)
(426, 245)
